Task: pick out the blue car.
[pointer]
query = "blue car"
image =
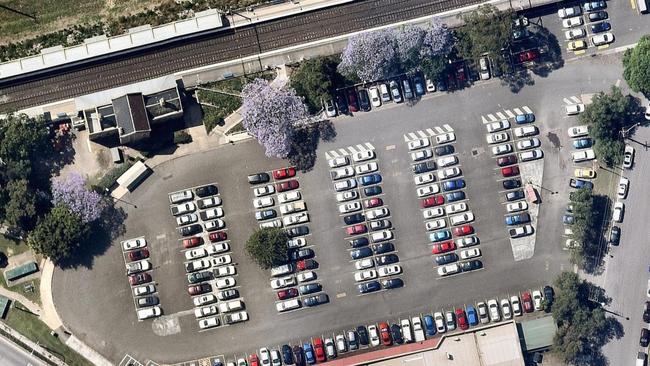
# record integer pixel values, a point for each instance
(429, 326)
(455, 196)
(367, 287)
(361, 253)
(582, 143)
(579, 183)
(367, 180)
(525, 118)
(517, 219)
(440, 236)
(451, 185)
(309, 353)
(601, 27)
(472, 318)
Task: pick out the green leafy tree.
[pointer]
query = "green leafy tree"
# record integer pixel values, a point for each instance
(314, 80)
(435, 68)
(25, 145)
(58, 235)
(607, 116)
(20, 209)
(584, 226)
(637, 66)
(268, 247)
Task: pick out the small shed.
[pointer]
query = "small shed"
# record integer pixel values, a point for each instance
(537, 334)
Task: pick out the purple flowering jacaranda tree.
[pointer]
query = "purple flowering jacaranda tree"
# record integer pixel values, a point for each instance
(73, 193)
(370, 55)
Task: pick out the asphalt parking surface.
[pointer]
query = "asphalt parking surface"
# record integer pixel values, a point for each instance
(95, 303)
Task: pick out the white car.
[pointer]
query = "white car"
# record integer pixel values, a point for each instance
(232, 305)
(517, 206)
(449, 173)
(345, 185)
(287, 305)
(136, 243)
(574, 109)
(289, 196)
(341, 173)
(617, 213)
(448, 269)
(497, 138)
(461, 218)
(431, 87)
(421, 154)
(406, 331)
(195, 253)
(224, 271)
(346, 196)
(225, 282)
(501, 149)
(264, 191)
(418, 331)
(520, 231)
(365, 275)
(418, 144)
(450, 321)
(363, 155)
(295, 219)
(209, 202)
(265, 356)
(435, 224)
(296, 243)
(498, 126)
(526, 131)
(433, 212)
(263, 202)
(578, 131)
(364, 263)
(467, 241)
(493, 310)
(144, 290)
(377, 213)
(187, 219)
(583, 155)
(204, 300)
(349, 207)
(306, 276)
(338, 162)
(628, 157)
(366, 168)
(424, 179)
(283, 282)
(572, 22)
(537, 300)
(428, 190)
(602, 39)
(211, 213)
(516, 305)
(221, 260)
(271, 224)
(531, 155)
(288, 208)
(574, 33)
(439, 320)
(150, 312)
(207, 323)
(569, 12)
(447, 161)
(506, 310)
(183, 208)
(528, 144)
(381, 236)
(373, 335)
(623, 184)
(205, 311)
(374, 96)
(445, 137)
(456, 207)
(470, 253)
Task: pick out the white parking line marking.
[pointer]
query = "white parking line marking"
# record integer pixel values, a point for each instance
(369, 146)
(567, 101)
(412, 136)
(439, 130)
(361, 147)
(422, 134)
(576, 99)
(510, 114)
(161, 236)
(334, 154)
(526, 109)
(343, 152)
(492, 117)
(518, 111)
(351, 150)
(448, 128)
(430, 132)
(390, 147)
(501, 115)
(342, 294)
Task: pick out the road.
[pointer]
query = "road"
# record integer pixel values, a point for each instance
(12, 355)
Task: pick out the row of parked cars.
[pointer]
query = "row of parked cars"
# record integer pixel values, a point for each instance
(404, 331)
(595, 15)
(357, 180)
(138, 269)
(280, 204)
(208, 263)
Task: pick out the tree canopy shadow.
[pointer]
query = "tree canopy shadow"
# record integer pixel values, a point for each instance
(305, 143)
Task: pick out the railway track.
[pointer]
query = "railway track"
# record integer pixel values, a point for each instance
(222, 46)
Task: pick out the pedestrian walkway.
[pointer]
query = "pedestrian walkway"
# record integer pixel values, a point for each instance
(49, 315)
(30, 305)
(267, 12)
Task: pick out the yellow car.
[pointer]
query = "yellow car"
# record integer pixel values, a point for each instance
(577, 45)
(585, 173)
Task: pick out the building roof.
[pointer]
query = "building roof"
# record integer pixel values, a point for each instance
(131, 114)
(537, 333)
(163, 103)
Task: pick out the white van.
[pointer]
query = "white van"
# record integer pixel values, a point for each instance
(181, 196)
(282, 270)
(385, 95)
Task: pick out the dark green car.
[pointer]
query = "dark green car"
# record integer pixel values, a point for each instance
(197, 277)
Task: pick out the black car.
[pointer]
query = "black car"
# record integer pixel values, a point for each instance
(444, 150)
(369, 286)
(361, 253)
(548, 295)
(644, 339)
(511, 183)
(359, 242)
(287, 355)
(298, 356)
(598, 15)
(363, 335)
(418, 85)
(259, 215)
(258, 178)
(342, 104)
(396, 334)
(372, 191)
(301, 254)
(197, 277)
(228, 294)
(382, 248)
(364, 100)
(316, 300)
(601, 27)
(298, 231)
(470, 265)
(387, 259)
(190, 230)
(424, 167)
(515, 195)
(615, 235)
(646, 312)
(353, 342)
(392, 283)
(309, 288)
(354, 219)
(209, 190)
(446, 258)
(147, 301)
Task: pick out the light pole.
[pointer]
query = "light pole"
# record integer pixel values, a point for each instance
(540, 187)
(624, 131)
(108, 192)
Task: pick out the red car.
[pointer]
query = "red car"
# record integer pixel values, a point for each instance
(288, 293)
(507, 160)
(510, 171)
(306, 264)
(319, 350)
(528, 302)
(527, 56)
(384, 334)
(352, 100)
(463, 230)
(444, 247)
(286, 186)
(461, 319)
(432, 201)
(284, 173)
(199, 289)
(139, 278)
(253, 360)
(218, 236)
(356, 229)
(374, 202)
(136, 255)
(192, 242)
